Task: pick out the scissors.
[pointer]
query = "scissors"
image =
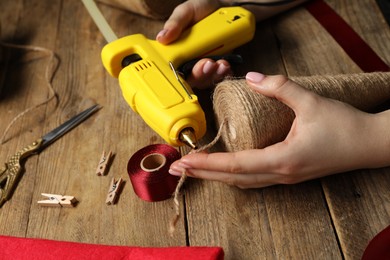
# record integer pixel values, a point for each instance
(11, 171)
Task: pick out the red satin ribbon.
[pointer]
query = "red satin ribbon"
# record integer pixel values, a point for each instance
(379, 246)
(362, 54)
(153, 186)
(357, 49)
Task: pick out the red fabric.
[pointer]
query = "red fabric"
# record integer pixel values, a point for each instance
(379, 246)
(357, 49)
(35, 249)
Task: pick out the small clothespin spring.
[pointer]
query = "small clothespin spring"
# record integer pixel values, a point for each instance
(55, 200)
(103, 164)
(113, 191)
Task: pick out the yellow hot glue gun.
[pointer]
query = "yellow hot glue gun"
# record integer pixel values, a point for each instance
(150, 83)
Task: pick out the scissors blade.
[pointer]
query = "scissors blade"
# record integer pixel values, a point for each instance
(53, 135)
(11, 171)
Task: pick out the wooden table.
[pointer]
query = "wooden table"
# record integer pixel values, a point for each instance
(331, 218)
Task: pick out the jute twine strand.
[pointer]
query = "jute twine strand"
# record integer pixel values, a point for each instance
(254, 121)
(49, 73)
(183, 178)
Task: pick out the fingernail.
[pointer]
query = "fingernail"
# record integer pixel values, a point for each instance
(183, 165)
(161, 34)
(254, 77)
(174, 172)
(222, 69)
(177, 169)
(207, 67)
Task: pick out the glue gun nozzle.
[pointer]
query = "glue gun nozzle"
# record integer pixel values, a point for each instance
(187, 136)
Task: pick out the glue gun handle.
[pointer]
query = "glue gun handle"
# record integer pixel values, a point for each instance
(217, 34)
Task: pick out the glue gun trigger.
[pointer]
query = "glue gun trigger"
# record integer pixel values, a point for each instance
(186, 68)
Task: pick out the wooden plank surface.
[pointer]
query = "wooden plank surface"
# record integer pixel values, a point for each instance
(68, 166)
(331, 218)
(351, 196)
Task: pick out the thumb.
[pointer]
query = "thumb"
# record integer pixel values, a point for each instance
(181, 18)
(184, 16)
(279, 87)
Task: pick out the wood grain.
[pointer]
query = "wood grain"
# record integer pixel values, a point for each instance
(24, 86)
(351, 196)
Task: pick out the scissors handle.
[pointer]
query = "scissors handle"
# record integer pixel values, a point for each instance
(10, 172)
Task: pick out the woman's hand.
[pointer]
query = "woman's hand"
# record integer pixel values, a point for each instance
(326, 137)
(206, 72)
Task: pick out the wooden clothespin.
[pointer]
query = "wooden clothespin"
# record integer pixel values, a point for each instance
(103, 163)
(113, 191)
(58, 200)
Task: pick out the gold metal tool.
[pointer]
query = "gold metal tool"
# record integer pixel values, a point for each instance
(11, 171)
(187, 136)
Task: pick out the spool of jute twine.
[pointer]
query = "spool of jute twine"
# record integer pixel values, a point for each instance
(250, 120)
(253, 121)
(155, 9)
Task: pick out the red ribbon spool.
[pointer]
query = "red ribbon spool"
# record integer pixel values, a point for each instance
(148, 172)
